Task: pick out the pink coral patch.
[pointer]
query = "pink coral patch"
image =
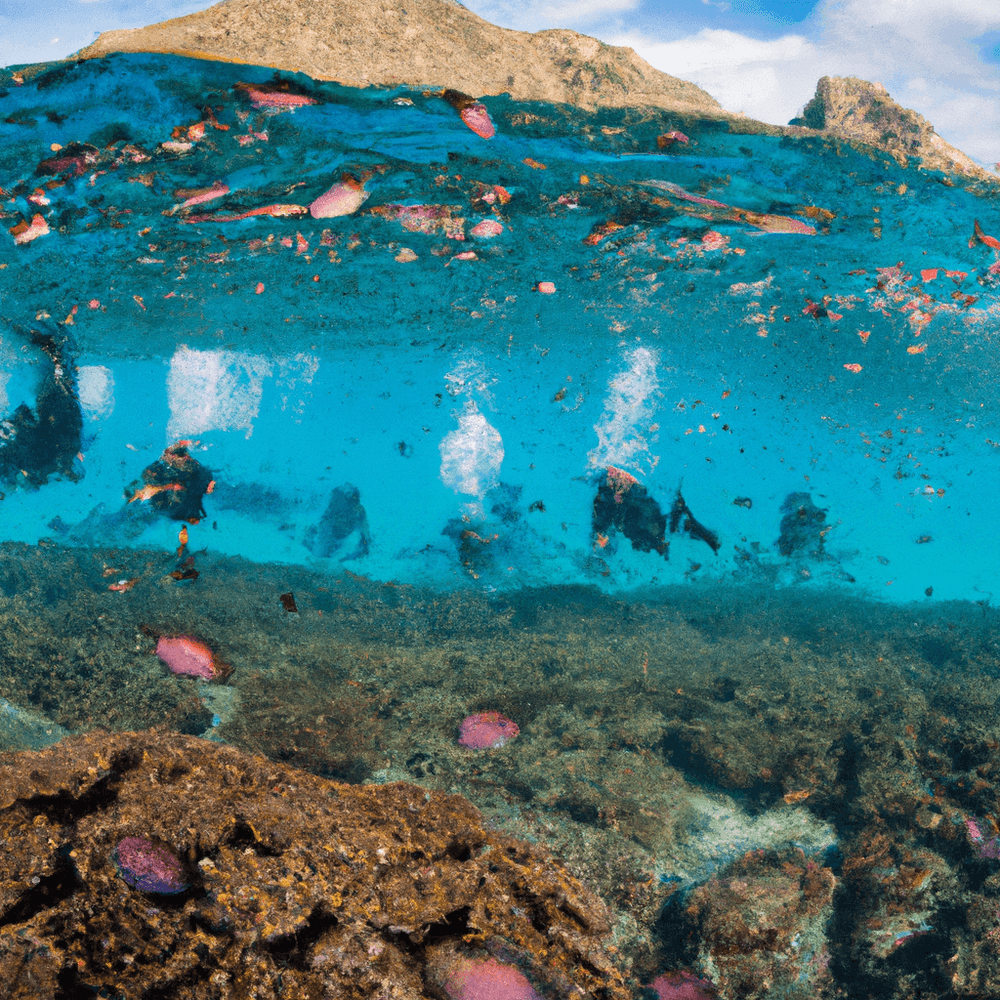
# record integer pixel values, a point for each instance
(682, 986)
(487, 979)
(486, 730)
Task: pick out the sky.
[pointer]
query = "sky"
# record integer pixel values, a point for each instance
(760, 57)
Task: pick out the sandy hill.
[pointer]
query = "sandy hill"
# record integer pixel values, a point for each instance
(421, 43)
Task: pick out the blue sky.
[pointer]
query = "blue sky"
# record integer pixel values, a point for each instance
(761, 57)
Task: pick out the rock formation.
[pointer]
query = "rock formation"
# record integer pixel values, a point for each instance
(426, 43)
(864, 112)
(155, 864)
(439, 43)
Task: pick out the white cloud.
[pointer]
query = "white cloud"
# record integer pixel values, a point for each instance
(712, 48)
(767, 79)
(922, 53)
(531, 15)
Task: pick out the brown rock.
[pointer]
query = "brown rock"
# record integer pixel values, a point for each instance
(762, 926)
(441, 44)
(422, 43)
(299, 886)
(860, 111)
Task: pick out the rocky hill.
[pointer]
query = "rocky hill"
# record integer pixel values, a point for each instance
(439, 43)
(864, 112)
(427, 43)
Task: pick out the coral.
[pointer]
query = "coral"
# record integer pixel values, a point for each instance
(487, 979)
(682, 986)
(149, 866)
(486, 731)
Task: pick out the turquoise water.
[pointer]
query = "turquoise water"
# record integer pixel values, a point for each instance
(449, 389)
(695, 437)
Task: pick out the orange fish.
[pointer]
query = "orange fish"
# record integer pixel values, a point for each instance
(978, 236)
(25, 232)
(278, 210)
(122, 585)
(148, 492)
(601, 230)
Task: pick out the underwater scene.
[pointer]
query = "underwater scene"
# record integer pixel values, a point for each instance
(629, 476)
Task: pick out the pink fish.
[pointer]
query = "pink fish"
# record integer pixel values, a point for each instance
(472, 112)
(25, 232)
(487, 228)
(198, 196)
(666, 140)
(344, 198)
(264, 96)
(264, 210)
(775, 223)
(676, 189)
(478, 119)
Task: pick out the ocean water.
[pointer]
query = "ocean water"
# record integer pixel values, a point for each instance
(683, 455)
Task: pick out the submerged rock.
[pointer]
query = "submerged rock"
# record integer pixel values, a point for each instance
(293, 885)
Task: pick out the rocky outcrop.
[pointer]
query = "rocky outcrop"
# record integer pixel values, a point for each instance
(422, 43)
(857, 110)
(151, 864)
(441, 44)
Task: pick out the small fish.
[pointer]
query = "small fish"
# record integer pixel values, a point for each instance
(478, 119)
(978, 236)
(276, 210)
(25, 232)
(487, 228)
(344, 198)
(274, 98)
(472, 112)
(148, 492)
(666, 140)
(197, 196)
